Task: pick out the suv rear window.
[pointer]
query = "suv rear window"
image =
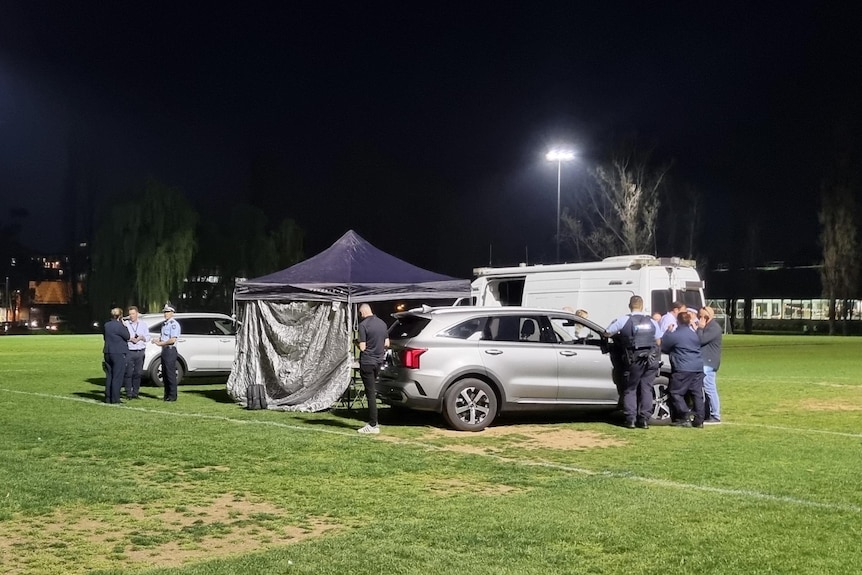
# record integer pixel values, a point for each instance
(408, 326)
(465, 329)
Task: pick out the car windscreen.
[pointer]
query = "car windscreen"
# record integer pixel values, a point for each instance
(408, 326)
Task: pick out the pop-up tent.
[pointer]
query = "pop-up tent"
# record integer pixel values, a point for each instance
(297, 324)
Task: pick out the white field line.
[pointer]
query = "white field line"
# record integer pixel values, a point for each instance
(744, 493)
(852, 381)
(794, 429)
(847, 385)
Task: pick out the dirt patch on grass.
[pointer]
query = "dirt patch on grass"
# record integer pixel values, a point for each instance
(452, 486)
(830, 405)
(80, 540)
(525, 437)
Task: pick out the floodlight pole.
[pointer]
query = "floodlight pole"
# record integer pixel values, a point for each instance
(559, 172)
(559, 156)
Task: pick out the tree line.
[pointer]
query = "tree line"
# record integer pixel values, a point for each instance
(154, 247)
(618, 211)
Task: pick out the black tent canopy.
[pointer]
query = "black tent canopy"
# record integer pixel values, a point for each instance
(297, 331)
(354, 271)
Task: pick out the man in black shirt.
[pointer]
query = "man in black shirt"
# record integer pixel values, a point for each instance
(373, 341)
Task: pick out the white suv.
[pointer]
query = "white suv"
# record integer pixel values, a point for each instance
(206, 346)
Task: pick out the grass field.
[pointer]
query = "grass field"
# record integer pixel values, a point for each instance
(202, 486)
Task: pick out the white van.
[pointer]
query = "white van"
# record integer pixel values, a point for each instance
(600, 288)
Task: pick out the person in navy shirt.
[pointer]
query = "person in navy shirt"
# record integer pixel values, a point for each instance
(686, 378)
(115, 349)
(167, 341)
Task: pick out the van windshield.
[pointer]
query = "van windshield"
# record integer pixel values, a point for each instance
(692, 299)
(661, 300)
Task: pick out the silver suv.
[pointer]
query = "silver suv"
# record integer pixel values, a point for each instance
(471, 363)
(206, 346)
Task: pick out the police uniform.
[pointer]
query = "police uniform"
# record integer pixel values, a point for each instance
(637, 352)
(170, 330)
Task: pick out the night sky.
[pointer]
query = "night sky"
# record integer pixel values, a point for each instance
(424, 127)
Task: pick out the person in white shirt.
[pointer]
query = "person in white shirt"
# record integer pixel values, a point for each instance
(139, 335)
(668, 320)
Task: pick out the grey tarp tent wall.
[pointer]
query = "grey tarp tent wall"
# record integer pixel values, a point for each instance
(296, 335)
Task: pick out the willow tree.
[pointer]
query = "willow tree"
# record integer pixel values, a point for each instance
(143, 248)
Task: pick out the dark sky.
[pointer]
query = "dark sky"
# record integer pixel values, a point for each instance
(424, 127)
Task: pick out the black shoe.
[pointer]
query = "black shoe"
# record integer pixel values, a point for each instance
(697, 424)
(642, 424)
(681, 423)
(170, 399)
(629, 425)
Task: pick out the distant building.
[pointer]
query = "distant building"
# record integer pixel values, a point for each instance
(38, 287)
(776, 292)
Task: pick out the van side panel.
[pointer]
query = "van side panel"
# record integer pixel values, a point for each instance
(603, 294)
(603, 288)
(554, 290)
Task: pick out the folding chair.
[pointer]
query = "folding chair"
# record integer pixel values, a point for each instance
(354, 396)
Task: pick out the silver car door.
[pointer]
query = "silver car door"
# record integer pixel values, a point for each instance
(584, 372)
(525, 366)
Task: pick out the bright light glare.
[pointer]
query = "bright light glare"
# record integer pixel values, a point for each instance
(560, 155)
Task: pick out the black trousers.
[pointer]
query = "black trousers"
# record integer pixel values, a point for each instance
(116, 364)
(134, 367)
(636, 393)
(682, 384)
(169, 371)
(369, 374)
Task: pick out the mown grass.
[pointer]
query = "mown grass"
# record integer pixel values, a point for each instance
(776, 489)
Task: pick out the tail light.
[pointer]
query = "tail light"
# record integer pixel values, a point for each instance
(410, 357)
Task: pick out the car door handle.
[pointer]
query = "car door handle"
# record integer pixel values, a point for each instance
(493, 351)
(569, 353)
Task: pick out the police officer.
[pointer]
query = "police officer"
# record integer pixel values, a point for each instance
(167, 341)
(636, 335)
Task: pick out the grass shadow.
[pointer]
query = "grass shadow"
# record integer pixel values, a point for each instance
(409, 418)
(339, 423)
(216, 395)
(556, 416)
(95, 395)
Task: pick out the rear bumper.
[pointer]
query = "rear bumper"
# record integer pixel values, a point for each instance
(406, 394)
